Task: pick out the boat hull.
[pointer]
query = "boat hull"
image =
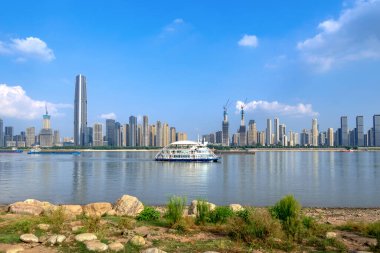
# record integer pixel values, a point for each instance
(11, 151)
(53, 153)
(187, 160)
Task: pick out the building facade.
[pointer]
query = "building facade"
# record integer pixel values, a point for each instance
(80, 111)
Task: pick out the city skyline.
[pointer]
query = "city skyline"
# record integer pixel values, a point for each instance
(186, 62)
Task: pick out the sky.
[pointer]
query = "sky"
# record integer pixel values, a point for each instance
(180, 61)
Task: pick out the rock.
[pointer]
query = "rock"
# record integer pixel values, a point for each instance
(111, 213)
(116, 246)
(85, 237)
(44, 227)
(29, 238)
(96, 246)
(236, 207)
(137, 240)
(153, 250)
(97, 209)
(23, 208)
(193, 207)
(76, 228)
(43, 238)
(48, 207)
(56, 239)
(72, 210)
(14, 249)
(330, 235)
(128, 205)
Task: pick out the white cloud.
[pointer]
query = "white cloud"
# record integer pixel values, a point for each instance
(28, 48)
(174, 26)
(353, 36)
(14, 103)
(248, 41)
(278, 108)
(110, 115)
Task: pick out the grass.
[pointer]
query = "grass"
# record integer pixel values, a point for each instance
(203, 212)
(175, 208)
(56, 220)
(221, 214)
(148, 214)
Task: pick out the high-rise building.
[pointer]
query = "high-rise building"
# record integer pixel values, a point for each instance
(277, 138)
(8, 135)
(125, 135)
(219, 137)
(145, 131)
(97, 135)
(261, 138)
(172, 135)
(268, 133)
(370, 135)
(376, 130)
(80, 111)
(165, 135)
(152, 136)
(281, 134)
(314, 133)
(181, 136)
(330, 137)
(46, 133)
(235, 139)
(110, 132)
(1, 133)
(118, 134)
(359, 133)
(252, 133)
(139, 138)
(225, 125)
(242, 130)
(158, 134)
(56, 138)
(132, 131)
(344, 131)
(30, 136)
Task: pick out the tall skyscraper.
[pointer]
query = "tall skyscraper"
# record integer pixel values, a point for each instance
(242, 129)
(158, 134)
(376, 130)
(252, 133)
(172, 134)
(111, 132)
(314, 133)
(80, 111)
(276, 131)
(30, 136)
(165, 135)
(344, 131)
(56, 138)
(125, 135)
(8, 135)
(1, 133)
(268, 134)
(330, 137)
(218, 137)
(282, 134)
(118, 134)
(225, 124)
(152, 135)
(46, 133)
(132, 131)
(145, 132)
(97, 135)
(359, 133)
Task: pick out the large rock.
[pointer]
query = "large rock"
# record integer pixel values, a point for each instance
(44, 227)
(85, 237)
(29, 238)
(116, 246)
(153, 250)
(48, 207)
(137, 240)
(97, 209)
(330, 235)
(56, 239)
(14, 249)
(23, 208)
(193, 207)
(96, 246)
(72, 210)
(236, 207)
(128, 206)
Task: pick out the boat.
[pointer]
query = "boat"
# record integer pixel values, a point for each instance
(13, 150)
(39, 151)
(187, 151)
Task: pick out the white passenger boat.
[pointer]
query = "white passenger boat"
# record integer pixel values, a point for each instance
(187, 151)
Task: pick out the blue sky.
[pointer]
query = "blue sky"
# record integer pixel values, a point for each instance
(179, 61)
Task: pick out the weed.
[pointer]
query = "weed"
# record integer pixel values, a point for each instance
(175, 208)
(220, 214)
(148, 214)
(203, 211)
(56, 219)
(374, 230)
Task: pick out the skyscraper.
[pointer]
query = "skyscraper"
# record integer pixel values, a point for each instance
(376, 130)
(172, 134)
(80, 111)
(46, 133)
(132, 131)
(145, 132)
(343, 131)
(118, 134)
(242, 130)
(110, 132)
(330, 137)
(30, 136)
(158, 134)
(268, 134)
(1, 133)
(165, 134)
(282, 135)
(359, 133)
(98, 135)
(152, 135)
(225, 135)
(8, 135)
(252, 133)
(276, 131)
(314, 133)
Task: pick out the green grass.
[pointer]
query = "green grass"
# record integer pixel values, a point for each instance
(148, 214)
(9, 238)
(203, 212)
(175, 207)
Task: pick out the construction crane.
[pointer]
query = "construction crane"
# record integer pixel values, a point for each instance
(225, 110)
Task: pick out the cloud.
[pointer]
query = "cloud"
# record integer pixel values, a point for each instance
(278, 108)
(14, 103)
(353, 36)
(248, 41)
(110, 115)
(174, 26)
(28, 48)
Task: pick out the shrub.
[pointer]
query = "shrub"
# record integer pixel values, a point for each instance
(374, 230)
(203, 211)
(175, 208)
(148, 214)
(56, 219)
(220, 214)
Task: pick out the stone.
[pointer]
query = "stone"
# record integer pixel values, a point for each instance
(97, 209)
(23, 208)
(76, 228)
(153, 250)
(96, 246)
(48, 207)
(56, 239)
(236, 207)
(128, 206)
(137, 240)
(193, 207)
(72, 210)
(116, 246)
(29, 238)
(85, 237)
(14, 249)
(44, 227)
(330, 235)
(111, 213)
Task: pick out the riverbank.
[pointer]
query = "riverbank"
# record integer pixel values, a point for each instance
(128, 226)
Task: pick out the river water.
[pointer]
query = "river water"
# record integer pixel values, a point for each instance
(323, 179)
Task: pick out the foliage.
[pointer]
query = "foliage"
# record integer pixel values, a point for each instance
(203, 211)
(220, 214)
(56, 219)
(175, 207)
(374, 230)
(148, 214)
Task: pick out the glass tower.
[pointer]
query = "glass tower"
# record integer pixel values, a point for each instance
(80, 111)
